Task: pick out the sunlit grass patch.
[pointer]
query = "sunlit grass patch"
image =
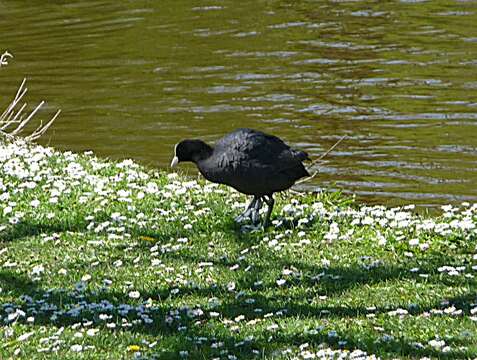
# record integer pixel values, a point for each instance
(102, 259)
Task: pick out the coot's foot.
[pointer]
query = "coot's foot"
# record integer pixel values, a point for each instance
(245, 215)
(250, 228)
(253, 211)
(270, 203)
(256, 211)
(248, 212)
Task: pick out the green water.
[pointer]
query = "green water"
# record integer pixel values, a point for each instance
(134, 77)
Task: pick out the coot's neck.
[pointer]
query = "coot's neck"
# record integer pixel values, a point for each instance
(203, 154)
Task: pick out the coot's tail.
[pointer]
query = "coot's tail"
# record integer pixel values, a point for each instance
(301, 155)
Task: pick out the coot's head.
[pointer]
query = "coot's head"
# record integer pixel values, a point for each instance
(191, 150)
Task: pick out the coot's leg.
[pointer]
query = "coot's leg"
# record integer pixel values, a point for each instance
(256, 211)
(270, 202)
(248, 211)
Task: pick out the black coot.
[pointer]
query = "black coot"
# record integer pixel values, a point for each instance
(250, 161)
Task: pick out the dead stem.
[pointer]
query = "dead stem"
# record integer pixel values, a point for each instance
(13, 121)
(314, 162)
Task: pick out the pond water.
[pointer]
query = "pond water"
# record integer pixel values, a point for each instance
(399, 78)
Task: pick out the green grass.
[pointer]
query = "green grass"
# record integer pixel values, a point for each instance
(134, 263)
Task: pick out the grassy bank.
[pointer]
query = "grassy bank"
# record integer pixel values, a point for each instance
(111, 260)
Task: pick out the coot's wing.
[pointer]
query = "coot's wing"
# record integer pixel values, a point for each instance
(248, 160)
(245, 146)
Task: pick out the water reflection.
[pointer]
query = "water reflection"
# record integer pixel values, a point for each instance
(134, 77)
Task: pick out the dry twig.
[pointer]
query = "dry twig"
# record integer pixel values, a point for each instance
(314, 162)
(12, 121)
(4, 58)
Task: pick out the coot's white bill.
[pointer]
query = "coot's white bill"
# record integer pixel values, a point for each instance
(174, 161)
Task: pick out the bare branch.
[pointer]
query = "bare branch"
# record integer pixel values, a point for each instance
(319, 159)
(13, 119)
(328, 151)
(24, 122)
(4, 58)
(42, 128)
(20, 93)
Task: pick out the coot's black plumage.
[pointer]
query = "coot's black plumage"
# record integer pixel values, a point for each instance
(250, 161)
